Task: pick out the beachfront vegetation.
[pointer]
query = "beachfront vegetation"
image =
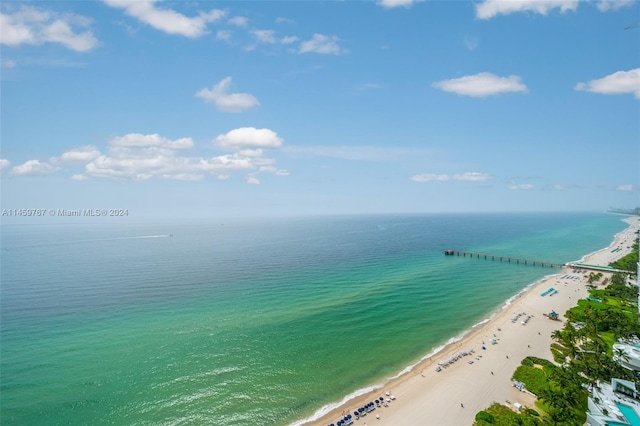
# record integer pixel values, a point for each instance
(535, 372)
(594, 276)
(628, 262)
(500, 415)
(583, 351)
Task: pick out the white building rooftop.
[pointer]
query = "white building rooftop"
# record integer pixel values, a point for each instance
(614, 404)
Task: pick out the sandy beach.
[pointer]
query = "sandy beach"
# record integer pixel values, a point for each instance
(454, 395)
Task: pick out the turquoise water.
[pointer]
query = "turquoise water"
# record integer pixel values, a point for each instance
(257, 322)
(629, 413)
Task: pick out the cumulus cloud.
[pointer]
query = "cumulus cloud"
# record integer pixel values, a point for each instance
(430, 177)
(167, 20)
(626, 188)
(4, 163)
(264, 36)
(491, 8)
(33, 167)
(323, 44)
(463, 177)
(482, 85)
(288, 39)
(248, 138)
(274, 170)
(282, 20)
(252, 180)
(153, 140)
(519, 186)
(389, 4)
(227, 102)
(620, 82)
(35, 26)
(607, 5)
(223, 35)
(139, 157)
(142, 163)
(78, 155)
(239, 21)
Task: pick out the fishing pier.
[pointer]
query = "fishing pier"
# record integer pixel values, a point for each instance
(501, 258)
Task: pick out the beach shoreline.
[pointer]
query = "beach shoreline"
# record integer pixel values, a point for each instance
(455, 394)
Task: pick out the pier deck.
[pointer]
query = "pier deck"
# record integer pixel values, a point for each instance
(502, 258)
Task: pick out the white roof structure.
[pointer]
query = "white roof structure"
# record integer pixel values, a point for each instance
(627, 355)
(614, 404)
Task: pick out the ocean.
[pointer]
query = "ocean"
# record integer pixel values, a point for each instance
(250, 321)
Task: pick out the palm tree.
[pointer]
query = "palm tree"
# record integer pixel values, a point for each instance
(619, 353)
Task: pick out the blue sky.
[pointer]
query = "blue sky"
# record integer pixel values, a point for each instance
(280, 108)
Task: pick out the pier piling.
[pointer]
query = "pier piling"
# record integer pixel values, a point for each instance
(517, 260)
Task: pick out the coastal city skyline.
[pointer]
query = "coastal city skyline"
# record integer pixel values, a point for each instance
(248, 108)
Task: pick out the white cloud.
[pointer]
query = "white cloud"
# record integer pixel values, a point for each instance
(614, 84)
(78, 155)
(4, 163)
(626, 188)
(6, 63)
(464, 177)
(149, 162)
(520, 186)
(228, 102)
(35, 26)
(491, 8)
(320, 43)
(481, 85)
(33, 167)
(389, 4)
(288, 39)
(264, 36)
(251, 152)
(274, 170)
(223, 35)
(168, 20)
(369, 86)
(154, 140)
(472, 177)
(248, 138)
(281, 20)
(471, 43)
(430, 177)
(252, 180)
(606, 5)
(142, 157)
(239, 21)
